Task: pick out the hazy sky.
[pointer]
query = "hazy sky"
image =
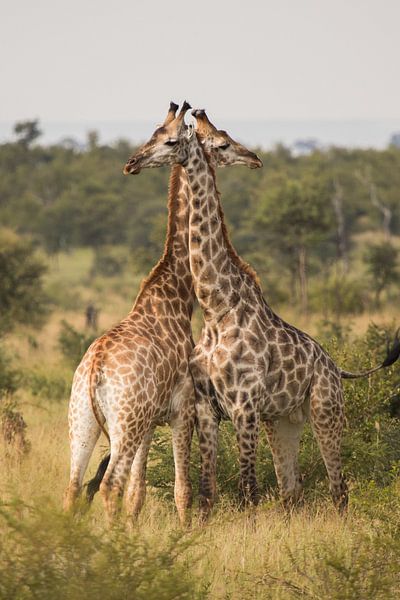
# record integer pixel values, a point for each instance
(263, 59)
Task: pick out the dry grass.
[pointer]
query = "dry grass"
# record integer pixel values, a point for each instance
(239, 555)
(260, 554)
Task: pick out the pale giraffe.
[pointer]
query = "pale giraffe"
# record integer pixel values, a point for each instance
(250, 366)
(143, 362)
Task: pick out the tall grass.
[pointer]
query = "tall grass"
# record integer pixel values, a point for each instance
(241, 555)
(261, 554)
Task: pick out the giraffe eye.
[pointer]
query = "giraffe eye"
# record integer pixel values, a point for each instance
(171, 142)
(224, 146)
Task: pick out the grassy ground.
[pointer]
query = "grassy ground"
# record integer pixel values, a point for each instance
(260, 554)
(238, 555)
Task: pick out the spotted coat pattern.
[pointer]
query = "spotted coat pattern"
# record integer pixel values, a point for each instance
(256, 368)
(136, 376)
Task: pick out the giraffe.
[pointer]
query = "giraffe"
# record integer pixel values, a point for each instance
(250, 366)
(142, 364)
(255, 367)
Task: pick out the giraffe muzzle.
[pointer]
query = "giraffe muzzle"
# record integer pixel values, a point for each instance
(256, 163)
(132, 167)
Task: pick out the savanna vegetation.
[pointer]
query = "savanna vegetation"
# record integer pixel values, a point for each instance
(323, 232)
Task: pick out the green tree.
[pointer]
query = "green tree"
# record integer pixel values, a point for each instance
(296, 214)
(27, 132)
(381, 261)
(22, 299)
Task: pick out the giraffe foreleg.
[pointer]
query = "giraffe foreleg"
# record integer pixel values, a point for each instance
(284, 440)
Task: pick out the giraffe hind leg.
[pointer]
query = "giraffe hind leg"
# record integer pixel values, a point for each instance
(284, 440)
(84, 433)
(124, 446)
(327, 419)
(136, 492)
(93, 486)
(207, 426)
(113, 482)
(182, 431)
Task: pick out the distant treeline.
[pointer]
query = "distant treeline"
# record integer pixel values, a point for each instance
(296, 218)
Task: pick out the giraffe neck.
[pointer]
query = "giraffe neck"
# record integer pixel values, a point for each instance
(217, 270)
(172, 272)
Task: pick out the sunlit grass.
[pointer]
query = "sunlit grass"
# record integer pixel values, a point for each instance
(239, 554)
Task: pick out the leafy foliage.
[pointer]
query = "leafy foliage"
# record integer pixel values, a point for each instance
(73, 344)
(282, 218)
(22, 299)
(47, 555)
(9, 376)
(371, 442)
(381, 260)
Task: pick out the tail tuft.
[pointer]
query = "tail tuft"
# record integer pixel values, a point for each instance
(93, 486)
(393, 352)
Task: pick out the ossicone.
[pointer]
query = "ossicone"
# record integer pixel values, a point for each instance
(185, 107)
(171, 113)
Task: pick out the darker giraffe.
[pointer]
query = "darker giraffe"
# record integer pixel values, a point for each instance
(253, 365)
(250, 366)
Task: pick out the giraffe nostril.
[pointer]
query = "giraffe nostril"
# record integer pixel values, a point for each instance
(132, 167)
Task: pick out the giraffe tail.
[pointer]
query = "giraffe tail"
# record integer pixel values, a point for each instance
(92, 393)
(93, 486)
(392, 354)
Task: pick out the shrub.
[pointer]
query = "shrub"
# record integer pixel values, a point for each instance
(73, 344)
(108, 261)
(9, 377)
(50, 385)
(351, 561)
(338, 297)
(381, 261)
(45, 554)
(22, 299)
(62, 296)
(13, 427)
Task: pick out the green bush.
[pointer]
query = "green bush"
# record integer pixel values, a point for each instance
(9, 377)
(73, 344)
(371, 440)
(46, 555)
(63, 296)
(22, 299)
(49, 385)
(338, 296)
(109, 261)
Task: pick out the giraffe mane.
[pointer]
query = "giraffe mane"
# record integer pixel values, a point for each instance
(233, 255)
(158, 269)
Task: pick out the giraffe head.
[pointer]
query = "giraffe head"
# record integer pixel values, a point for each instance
(168, 145)
(218, 143)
